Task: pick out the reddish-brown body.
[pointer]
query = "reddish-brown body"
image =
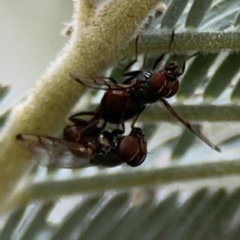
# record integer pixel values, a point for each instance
(124, 101)
(117, 106)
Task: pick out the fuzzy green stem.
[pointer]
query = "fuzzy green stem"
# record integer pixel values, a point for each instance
(206, 42)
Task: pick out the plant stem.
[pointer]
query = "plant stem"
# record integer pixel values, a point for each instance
(207, 42)
(203, 112)
(56, 189)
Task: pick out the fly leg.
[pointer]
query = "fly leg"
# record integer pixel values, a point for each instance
(137, 116)
(74, 118)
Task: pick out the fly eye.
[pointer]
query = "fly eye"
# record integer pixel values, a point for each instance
(157, 82)
(132, 150)
(128, 149)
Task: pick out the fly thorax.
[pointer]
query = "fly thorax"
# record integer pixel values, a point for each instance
(144, 76)
(143, 94)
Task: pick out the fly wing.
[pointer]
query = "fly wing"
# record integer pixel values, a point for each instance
(189, 126)
(55, 152)
(103, 83)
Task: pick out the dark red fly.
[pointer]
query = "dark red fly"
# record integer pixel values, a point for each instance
(124, 101)
(86, 145)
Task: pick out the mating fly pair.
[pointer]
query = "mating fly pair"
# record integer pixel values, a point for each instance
(84, 143)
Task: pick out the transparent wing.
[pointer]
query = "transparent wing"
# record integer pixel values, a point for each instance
(50, 151)
(103, 83)
(189, 126)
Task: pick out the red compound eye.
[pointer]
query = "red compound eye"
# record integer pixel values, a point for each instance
(133, 148)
